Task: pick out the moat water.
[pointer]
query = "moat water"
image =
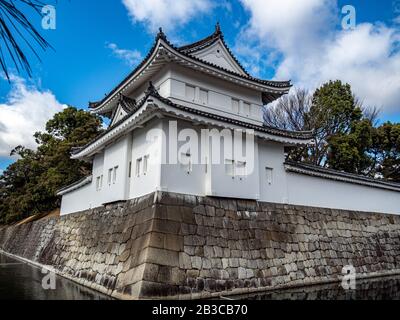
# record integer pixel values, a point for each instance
(20, 281)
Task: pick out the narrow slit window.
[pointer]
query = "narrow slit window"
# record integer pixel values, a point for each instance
(186, 162)
(246, 109)
(145, 164)
(98, 184)
(190, 92)
(138, 166)
(110, 171)
(115, 174)
(230, 167)
(235, 106)
(203, 96)
(270, 175)
(240, 169)
(130, 170)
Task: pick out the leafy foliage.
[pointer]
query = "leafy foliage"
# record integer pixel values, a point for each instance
(29, 185)
(347, 136)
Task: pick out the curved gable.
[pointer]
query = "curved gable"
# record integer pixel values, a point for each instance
(218, 54)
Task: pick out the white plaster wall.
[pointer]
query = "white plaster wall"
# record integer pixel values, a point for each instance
(172, 81)
(115, 154)
(174, 177)
(206, 180)
(237, 186)
(271, 155)
(141, 147)
(78, 200)
(318, 192)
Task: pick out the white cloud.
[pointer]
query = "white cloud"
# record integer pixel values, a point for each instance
(131, 57)
(302, 38)
(166, 13)
(25, 112)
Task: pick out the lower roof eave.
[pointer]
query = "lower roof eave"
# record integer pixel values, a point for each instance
(154, 105)
(330, 174)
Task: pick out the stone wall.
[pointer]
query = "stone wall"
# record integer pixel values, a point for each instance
(180, 246)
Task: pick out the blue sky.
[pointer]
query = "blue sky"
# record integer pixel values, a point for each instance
(98, 42)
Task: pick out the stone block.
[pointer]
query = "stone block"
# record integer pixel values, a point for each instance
(196, 263)
(162, 257)
(184, 261)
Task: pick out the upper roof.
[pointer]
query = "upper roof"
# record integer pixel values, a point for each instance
(216, 37)
(163, 52)
(152, 103)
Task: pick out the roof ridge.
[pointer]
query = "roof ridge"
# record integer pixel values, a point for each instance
(210, 40)
(162, 37)
(340, 173)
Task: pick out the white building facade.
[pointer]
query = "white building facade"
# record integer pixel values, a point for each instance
(190, 120)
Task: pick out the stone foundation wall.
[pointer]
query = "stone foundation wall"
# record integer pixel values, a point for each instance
(180, 246)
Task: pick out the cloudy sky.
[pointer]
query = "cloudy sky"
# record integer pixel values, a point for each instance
(96, 43)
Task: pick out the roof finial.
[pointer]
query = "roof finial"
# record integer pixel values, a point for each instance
(161, 34)
(217, 28)
(151, 89)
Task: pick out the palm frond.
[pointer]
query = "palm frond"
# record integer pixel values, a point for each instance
(15, 31)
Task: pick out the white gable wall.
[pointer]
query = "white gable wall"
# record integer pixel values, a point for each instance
(218, 55)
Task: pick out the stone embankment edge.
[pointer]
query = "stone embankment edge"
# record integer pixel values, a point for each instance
(198, 296)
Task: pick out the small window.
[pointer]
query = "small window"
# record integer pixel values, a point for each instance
(145, 164)
(115, 175)
(203, 96)
(230, 168)
(110, 171)
(190, 92)
(186, 162)
(246, 109)
(130, 170)
(235, 106)
(98, 183)
(240, 169)
(270, 175)
(138, 166)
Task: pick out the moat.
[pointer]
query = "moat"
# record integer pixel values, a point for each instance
(20, 281)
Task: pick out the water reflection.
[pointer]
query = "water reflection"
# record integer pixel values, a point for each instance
(371, 289)
(19, 281)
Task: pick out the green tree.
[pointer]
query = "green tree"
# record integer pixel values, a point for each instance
(385, 151)
(349, 151)
(29, 185)
(333, 113)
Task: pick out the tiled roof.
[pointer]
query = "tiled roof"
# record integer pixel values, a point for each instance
(152, 92)
(314, 170)
(76, 185)
(209, 41)
(185, 51)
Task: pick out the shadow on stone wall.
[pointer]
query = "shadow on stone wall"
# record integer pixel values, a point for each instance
(181, 246)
